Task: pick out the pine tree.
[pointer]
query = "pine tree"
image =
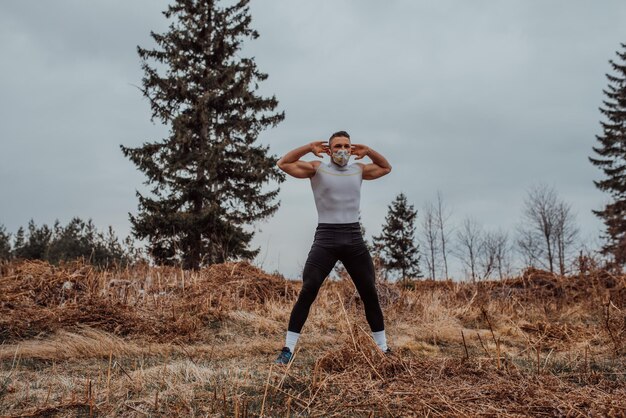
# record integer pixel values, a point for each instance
(396, 245)
(18, 243)
(207, 175)
(67, 242)
(612, 161)
(37, 244)
(80, 239)
(5, 244)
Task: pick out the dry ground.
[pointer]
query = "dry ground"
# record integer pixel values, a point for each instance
(165, 342)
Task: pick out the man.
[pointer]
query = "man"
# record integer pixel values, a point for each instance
(337, 191)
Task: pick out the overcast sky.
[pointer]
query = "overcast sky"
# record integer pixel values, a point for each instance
(479, 100)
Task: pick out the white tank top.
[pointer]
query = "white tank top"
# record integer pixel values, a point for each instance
(337, 192)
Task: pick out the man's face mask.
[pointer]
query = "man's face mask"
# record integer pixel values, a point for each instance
(341, 157)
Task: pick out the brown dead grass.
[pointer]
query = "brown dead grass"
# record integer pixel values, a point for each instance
(159, 304)
(166, 342)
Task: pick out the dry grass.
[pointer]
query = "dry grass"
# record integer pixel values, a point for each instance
(166, 342)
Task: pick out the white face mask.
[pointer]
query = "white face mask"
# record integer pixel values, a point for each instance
(341, 157)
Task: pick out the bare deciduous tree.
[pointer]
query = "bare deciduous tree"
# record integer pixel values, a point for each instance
(487, 259)
(469, 246)
(429, 239)
(503, 254)
(528, 246)
(495, 254)
(442, 219)
(566, 233)
(548, 229)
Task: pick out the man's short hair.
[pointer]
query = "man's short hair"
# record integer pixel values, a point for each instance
(337, 134)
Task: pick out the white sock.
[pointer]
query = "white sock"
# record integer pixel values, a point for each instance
(380, 339)
(291, 340)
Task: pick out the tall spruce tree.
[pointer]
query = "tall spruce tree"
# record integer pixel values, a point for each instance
(208, 174)
(612, 161)
(396, 245)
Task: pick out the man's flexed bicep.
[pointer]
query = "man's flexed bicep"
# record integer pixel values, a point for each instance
(291, 164)
(300, 169)
(379, 166)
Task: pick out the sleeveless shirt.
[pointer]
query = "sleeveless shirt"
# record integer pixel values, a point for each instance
(337, 192)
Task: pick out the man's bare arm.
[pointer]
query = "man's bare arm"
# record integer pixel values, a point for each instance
(379, 167)
(291, 164)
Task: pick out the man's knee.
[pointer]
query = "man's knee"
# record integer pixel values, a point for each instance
(369, 295)
(308, 292)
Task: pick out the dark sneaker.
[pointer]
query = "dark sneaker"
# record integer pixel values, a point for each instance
(284, 357)
(388, 352)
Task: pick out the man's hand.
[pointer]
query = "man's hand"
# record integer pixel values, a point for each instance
(359, 150)
(318, 147)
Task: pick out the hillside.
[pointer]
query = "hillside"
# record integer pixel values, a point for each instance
(166, 342)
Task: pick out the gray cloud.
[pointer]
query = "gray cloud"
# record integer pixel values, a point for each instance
(476, 99)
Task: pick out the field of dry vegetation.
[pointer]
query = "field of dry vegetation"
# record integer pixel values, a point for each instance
(166, 342)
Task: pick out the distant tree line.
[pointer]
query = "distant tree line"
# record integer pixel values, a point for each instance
(78, 239)
(546, 237)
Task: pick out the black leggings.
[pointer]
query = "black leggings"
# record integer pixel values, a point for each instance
(338, 242)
